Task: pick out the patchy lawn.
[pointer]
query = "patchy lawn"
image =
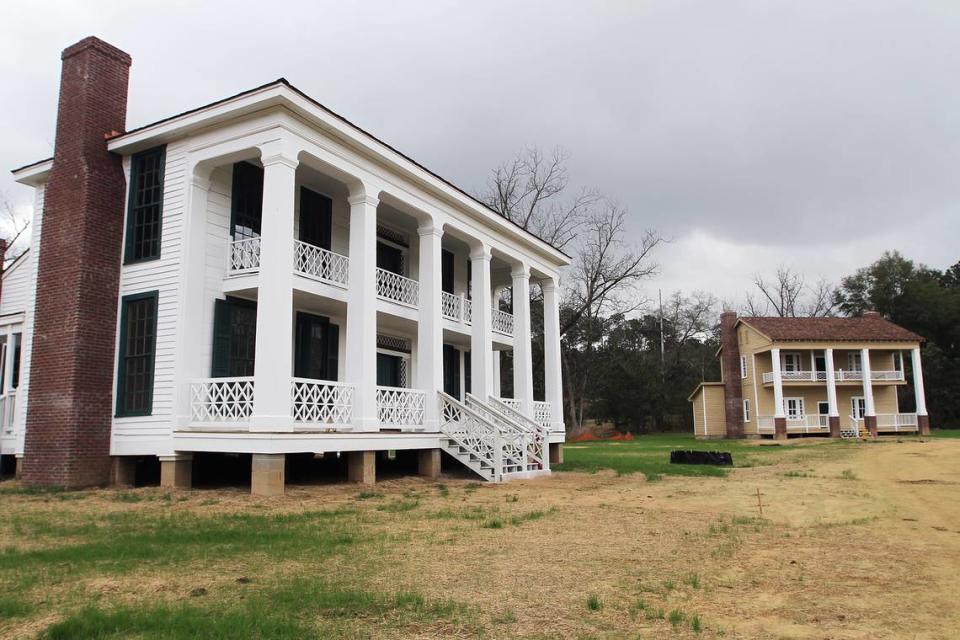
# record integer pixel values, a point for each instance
(605, 554)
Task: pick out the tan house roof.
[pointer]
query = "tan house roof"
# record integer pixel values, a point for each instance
(871, 327)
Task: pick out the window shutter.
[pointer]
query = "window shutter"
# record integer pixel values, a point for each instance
(467, 373)
(222, 337)
(333, 349)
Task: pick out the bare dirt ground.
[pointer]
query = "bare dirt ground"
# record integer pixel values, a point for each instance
(858, 541)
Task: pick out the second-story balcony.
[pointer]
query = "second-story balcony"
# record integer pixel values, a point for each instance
(309, 261)
(397, 288)
(839, 376)
(501, 322)
(456, 308)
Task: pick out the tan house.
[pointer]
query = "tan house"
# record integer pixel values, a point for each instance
(819, 376)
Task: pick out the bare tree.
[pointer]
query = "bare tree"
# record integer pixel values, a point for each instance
(530, 190)
(13, 228)
(788, 295)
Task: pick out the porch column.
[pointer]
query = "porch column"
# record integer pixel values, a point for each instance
(429, 373)
(522, 356)
(553, 382)
(194, 306)
(779, 418)
(833, 412)
(870, 411)
(481, 341)
(273, 368)
(923, 420)
(360, 369)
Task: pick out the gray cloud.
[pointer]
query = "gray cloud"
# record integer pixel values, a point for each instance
(753, 133)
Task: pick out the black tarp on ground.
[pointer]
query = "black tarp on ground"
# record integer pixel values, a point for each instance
(721, 458)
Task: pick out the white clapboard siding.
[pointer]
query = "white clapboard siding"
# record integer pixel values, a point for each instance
(16, 293)
(162, 276)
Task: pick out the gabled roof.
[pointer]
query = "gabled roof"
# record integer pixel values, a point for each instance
(871, 327)
(693, 394)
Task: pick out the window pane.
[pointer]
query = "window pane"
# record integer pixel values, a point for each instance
(137, 353)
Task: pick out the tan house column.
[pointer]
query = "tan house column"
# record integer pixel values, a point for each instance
(833, 413)
(870, 410)
(779, 418)
(923, 420)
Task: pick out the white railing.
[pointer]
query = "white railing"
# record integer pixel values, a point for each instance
(521, 449)
(474, 434)
(512, 403)
(808, 423)
(765, 424)
(501, 322)
(852, 430)
(396, 288)
(322, 402)
(8, 411)
(840, 375)
(324, 265)
(244, 255)
(399, 407)
(457, 308)
(220, 400)
(542, 413)
(537, 447)
(897, 421)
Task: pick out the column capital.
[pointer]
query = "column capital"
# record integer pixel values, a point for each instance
(520, 270)
(430, 229)
(481, 252)
(363, 198)
(549, 285)
(282, 151)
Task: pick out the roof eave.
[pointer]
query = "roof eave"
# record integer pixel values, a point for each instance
(281, 93)
(35, 174)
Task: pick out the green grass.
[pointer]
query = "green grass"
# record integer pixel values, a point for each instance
(594, 603)
(945, 433)
(650, 455)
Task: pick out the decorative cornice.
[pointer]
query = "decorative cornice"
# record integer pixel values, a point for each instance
(363, 198)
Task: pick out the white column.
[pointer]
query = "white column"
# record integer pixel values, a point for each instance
(429, 373)
(522, 356)
(777, 384)
(918, 391)
(834, 410)
(273, 369)
(869, 408)
(193, 345)
(361, 361)
(553, 381)
(481, 347)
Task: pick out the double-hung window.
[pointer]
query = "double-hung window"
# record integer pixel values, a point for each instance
(746, 410)
(791, 362)
(793, 408)
(145, 206)
(137, 353)
(743, 366)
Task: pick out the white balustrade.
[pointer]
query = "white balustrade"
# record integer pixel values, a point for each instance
(886, 375)
(221, 400)
(454, 307)
(765, 424)
(396, 288)
(897, 421)
(542, 413)
(322, 402)
(399, 407)
(324, 265)
(244, 255)
(474, 434)
(511, 402)
(840, 375)
(501, 322)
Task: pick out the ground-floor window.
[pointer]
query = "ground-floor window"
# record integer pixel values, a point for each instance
(746, 411)
(793, 407)
(137, 344)
(823, 408)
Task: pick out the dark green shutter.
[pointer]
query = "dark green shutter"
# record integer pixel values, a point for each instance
(222, 338)
(467, 373)
(333, 350)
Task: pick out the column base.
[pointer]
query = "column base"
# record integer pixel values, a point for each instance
(870, 422)
(923, 426)
(362, 467)
(176, 472)
(123, 472)
(18, 470)
(834, 426)
(556, 453)
(429, 463)
(780, 428)
(268, 474)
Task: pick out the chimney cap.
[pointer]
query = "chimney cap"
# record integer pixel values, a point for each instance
(93, 42)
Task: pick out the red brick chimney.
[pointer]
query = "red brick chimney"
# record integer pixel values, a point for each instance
(730, 367)
(71, 374)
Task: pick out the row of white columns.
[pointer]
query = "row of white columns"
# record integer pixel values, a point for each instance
(274, 347)
(869, 406)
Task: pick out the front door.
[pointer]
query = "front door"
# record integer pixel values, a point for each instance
(317, 346)
(389, 370)
(793, 407)
(451, 371)
(858, 407)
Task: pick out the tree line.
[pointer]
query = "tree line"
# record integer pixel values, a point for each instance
(631, 361)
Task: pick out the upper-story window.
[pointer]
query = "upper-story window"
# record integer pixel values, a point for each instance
(791, 361)
(743, 366)
(854, 361)
(145, 208)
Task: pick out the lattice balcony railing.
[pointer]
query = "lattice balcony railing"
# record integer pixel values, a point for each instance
(534, 439)
(221, 399)
(324, 265)
(322, 402)
(398, 407)
(396, 288)
(454, 307)
(542, 413)
(473, 433)
(512, 403)
(244, 255)
(501, 322)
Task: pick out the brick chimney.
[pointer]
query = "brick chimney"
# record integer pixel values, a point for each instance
(71, 374)
(730, 367)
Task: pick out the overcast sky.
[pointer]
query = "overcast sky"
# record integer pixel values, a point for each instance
(754, 134)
